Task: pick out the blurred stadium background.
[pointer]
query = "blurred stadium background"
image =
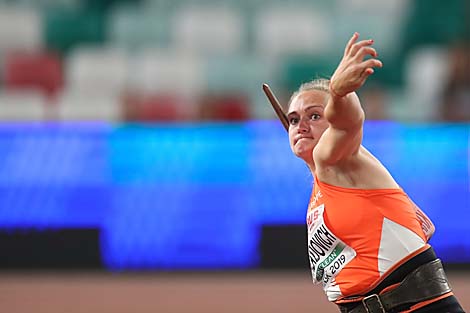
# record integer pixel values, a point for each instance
(142, 169)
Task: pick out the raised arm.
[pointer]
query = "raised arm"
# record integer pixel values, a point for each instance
(343, 110)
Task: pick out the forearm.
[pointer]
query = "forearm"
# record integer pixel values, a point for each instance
(344, 112)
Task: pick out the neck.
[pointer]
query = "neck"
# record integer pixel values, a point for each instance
(311, 166)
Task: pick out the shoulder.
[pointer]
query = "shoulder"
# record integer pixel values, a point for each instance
(359, 170)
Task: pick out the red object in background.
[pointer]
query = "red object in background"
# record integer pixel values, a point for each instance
(41, 71)
(225, 107)
(149, 108)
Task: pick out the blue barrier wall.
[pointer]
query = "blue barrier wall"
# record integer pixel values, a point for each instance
(195, 196)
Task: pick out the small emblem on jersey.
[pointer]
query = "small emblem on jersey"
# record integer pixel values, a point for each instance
(426, 225)
(317, 196)
(313, 216)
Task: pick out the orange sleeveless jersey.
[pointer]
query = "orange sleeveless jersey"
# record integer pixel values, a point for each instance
(356, 237)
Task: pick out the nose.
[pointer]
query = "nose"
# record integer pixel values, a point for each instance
(303, 126)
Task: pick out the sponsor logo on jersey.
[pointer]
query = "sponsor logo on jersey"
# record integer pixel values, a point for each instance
(327, 253)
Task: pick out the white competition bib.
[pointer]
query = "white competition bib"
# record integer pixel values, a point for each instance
(327, 253)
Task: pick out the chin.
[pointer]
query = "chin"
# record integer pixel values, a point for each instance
(304, 153)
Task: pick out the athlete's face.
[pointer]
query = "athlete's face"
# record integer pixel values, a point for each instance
(307, 122)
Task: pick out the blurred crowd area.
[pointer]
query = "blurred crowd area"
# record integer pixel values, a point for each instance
(199, 60)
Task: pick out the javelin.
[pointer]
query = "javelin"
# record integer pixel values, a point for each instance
(276, 106)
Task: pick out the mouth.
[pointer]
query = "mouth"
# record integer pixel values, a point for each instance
(302, 138)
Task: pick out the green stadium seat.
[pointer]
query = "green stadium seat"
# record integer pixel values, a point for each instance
(435, 22)
(65, 29)
(106, 5)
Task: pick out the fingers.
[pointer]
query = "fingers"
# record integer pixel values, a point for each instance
(353, 69)
(371, 63)
(368, 67)
(351, 42)
(359, 45)
(365, 51)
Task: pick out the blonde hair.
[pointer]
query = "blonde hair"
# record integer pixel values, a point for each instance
(321, 84)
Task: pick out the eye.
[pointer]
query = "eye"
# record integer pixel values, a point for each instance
(315, 116)
(293, 120)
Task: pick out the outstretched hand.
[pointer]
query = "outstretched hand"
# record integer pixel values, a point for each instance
(353, 70)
